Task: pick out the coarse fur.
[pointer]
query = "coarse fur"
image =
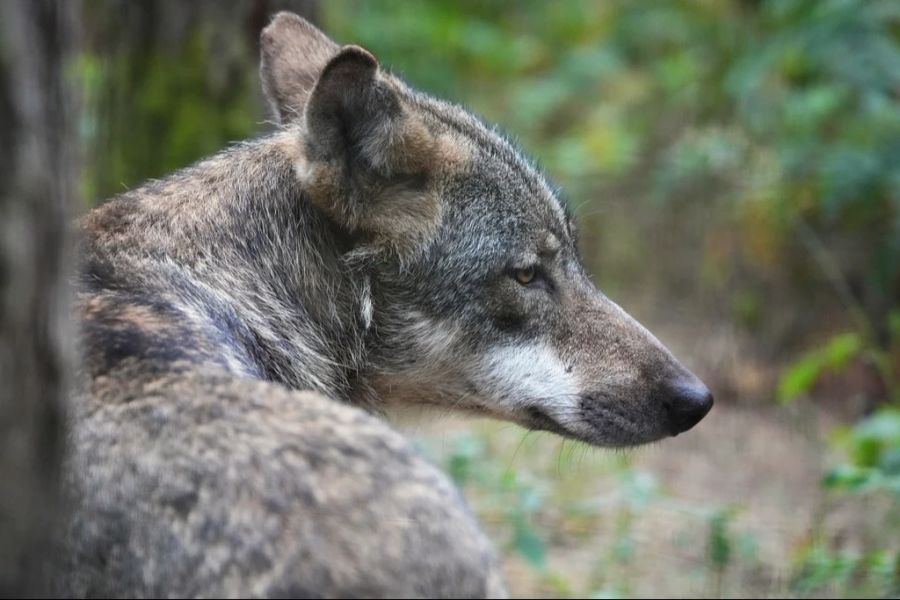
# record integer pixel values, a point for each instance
(381, 249)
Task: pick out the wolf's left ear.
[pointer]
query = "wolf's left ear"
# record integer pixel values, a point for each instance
(293, 54)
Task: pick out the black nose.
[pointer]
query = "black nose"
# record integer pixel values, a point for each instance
(687, 401)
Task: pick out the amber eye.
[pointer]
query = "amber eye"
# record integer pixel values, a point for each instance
(525, 276)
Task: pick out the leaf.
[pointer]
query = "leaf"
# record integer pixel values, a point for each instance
(847, 477)
(529, 544)
(719, 539)
(873, 440)
(801, 376)
(466, 452)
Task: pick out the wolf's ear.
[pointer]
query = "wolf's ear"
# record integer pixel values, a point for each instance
(370, 157)
(293, 54)
(355, 115)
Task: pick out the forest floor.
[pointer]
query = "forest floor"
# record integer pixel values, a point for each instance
(730, 508)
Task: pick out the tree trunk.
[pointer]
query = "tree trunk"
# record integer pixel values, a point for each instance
(37, 152)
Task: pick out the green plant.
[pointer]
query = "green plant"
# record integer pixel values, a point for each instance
(873, 448)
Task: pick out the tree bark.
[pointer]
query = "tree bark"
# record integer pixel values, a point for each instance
(37, 151)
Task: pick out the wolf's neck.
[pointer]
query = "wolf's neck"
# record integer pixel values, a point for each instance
(234, 248)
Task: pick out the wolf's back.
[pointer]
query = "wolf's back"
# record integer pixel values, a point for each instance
(202, 484)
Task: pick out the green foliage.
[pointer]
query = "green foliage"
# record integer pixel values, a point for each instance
(463, 460)
(801, 376)
(873, 448)
(520, 499)
(155, 106)
(515, 501)
(822, 571)
(526, 541)
(720, 543)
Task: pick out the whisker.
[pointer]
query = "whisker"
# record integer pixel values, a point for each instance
(516, 452)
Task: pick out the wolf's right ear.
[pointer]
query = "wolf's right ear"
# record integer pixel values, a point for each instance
(293, 55)
(368, 157)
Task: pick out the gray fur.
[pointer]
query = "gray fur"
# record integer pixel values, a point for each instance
(203, 485)
(239, 314)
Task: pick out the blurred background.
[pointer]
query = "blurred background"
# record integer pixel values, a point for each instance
(735, 170)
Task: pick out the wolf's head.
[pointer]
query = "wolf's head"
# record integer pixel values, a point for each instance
(474, 295)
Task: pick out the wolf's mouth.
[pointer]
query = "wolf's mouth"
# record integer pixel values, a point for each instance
(614, 434)
(539, 420)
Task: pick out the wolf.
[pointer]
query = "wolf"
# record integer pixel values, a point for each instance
(247, 323)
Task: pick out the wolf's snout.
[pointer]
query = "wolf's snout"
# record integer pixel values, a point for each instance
(687, 400)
